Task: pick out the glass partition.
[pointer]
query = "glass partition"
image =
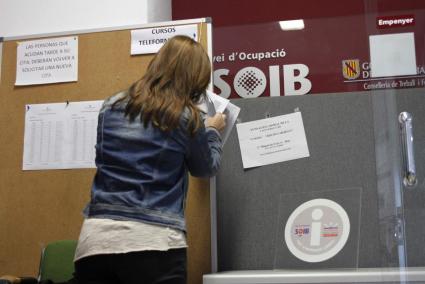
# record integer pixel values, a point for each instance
(359, 82)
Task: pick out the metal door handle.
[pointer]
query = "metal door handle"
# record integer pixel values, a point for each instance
(406, 128)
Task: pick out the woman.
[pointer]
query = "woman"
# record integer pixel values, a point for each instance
(149, 137)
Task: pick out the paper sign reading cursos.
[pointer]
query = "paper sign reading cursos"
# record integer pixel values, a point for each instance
(145, 41)
(47, 61)
(272, 140)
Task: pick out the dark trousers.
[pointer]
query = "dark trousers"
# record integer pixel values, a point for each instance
(145, 267)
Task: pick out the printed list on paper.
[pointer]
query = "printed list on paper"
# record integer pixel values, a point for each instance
(60, 135)
(272, 140)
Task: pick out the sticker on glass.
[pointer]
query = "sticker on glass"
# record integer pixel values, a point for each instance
(317, 230)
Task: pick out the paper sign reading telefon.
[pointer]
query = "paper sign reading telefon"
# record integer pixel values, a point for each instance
(272, 140)
(150, 40)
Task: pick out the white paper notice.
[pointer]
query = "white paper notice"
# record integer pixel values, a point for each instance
(60, 135)
(392, 55)
(44, 134)
(47, 61)
(272, 140)
(82, 131)
(145, 41)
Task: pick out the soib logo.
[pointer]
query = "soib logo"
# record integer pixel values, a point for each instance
(252, 82)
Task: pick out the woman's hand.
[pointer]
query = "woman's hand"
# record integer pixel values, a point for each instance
(218, 121)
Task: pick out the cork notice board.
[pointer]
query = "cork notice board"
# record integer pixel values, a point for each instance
(38, 207)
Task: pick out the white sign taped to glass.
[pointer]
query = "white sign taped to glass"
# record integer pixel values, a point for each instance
(272, 140)
(317, 230)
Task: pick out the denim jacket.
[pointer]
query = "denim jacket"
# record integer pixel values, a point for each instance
(142, 173)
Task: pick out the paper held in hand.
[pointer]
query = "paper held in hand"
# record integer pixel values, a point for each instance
(220, 104)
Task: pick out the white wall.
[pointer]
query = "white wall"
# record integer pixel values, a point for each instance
(29, 17)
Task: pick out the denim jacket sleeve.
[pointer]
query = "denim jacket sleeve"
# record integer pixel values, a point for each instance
(204, 152)
(203, 149)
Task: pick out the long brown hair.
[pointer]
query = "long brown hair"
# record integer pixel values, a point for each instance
(174, 81)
